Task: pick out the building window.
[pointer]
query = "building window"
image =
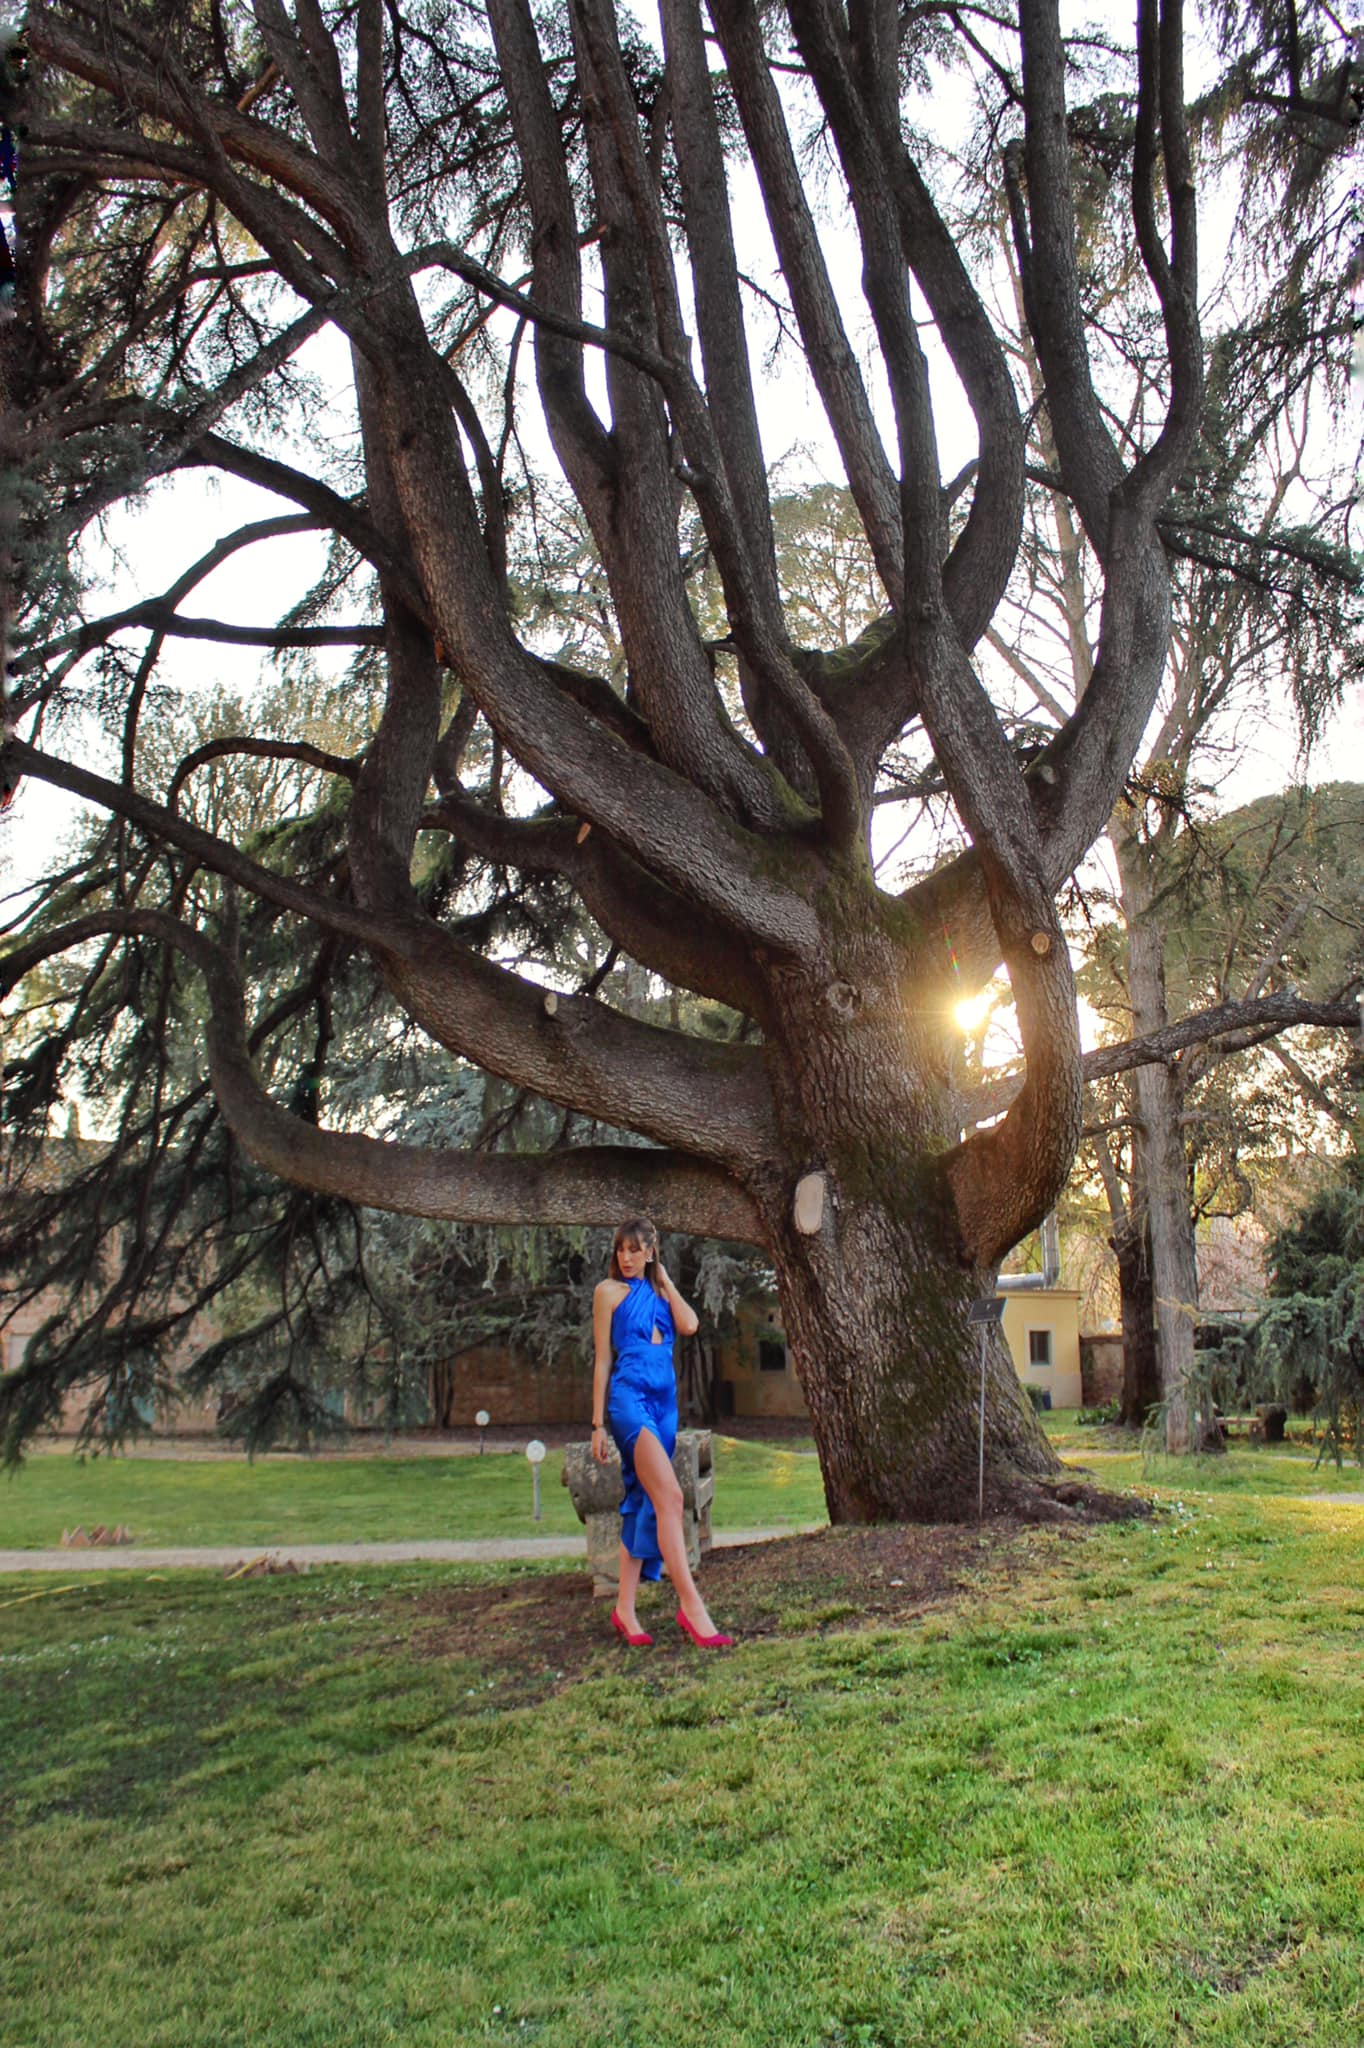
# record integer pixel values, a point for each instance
(771, 1354)
(1039, 1347)
(12, 1356)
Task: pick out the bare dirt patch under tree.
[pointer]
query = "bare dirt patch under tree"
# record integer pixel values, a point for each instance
(543, 1631)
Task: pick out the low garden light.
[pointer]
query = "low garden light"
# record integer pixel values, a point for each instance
(535, 1451)
(482, 1419)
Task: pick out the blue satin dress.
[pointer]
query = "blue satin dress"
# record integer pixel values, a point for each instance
(642, 1395)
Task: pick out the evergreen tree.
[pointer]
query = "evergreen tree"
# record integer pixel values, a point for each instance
(1309, 1344)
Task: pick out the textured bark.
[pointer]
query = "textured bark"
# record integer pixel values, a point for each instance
(1164, 1169)
(875, 1299)
(875, 1313)
(1132, 1249)
(1160, 1162)
(1140, 1364)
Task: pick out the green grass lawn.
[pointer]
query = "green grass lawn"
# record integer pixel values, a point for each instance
(1111, 1797)
(278, 1500)
(1115, 1459)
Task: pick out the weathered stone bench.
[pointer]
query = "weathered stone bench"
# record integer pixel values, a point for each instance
(595, 1491)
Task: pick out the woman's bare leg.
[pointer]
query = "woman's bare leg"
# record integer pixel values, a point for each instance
(659, 1481)
(630, 1569)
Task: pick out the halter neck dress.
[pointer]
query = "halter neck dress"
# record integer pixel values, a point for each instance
(642, 1395)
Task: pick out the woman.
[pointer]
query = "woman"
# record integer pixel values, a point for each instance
(634, 1315)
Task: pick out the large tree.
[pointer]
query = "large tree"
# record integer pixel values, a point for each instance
(208, 187)
(1264, 635)
(1264, 900)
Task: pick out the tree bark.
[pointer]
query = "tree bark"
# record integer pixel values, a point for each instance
(1140, 1363)
(1132, 1249)
(1160, 1162)
(875, 1272)
(875, 1313)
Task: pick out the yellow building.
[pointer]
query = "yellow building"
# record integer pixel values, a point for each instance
(1042, 1330)
(1041, 1327)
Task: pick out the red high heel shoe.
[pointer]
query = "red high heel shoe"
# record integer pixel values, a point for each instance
(716, 1642)
(636, 1642)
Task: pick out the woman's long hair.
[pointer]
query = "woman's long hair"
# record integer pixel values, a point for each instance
(639, 1231)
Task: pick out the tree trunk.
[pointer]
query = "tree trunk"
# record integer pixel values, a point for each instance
(873, 1275)
(890, 1368)
(1174, 1266)
(1131, 1246)
(1160, 1164)
(1140, 1365)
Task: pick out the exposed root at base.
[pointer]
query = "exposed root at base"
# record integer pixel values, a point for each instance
(1019, 1496)
(1065, 1500)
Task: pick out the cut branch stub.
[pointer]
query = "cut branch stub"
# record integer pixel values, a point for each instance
(808, 1206)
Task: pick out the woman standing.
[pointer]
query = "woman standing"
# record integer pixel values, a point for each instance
(634, 1316)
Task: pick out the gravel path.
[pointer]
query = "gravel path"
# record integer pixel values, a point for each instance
(135, 1557)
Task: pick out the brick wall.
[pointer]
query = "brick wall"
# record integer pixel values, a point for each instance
(513, 1387)
(1101, 1368)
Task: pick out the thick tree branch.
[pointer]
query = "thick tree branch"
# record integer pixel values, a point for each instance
(1260, 1015)
(829, 55)
(978, 568)
(1160, 104)
(392, 785)
(260, 750)
(591, 1185)
(1080, 776)
(653, 924)
(1044, 233)
(580, 439)
(715, 274)
(707, 1097)
(669, 669)
(832, 362)
(737, 525)
(329, 912)
(664, 821)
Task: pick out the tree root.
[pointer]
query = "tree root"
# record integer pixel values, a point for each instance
(1068, 1500)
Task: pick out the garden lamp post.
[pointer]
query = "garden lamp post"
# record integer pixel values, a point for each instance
(535, 1451)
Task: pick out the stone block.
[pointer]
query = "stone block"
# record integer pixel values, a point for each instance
(595, 1491)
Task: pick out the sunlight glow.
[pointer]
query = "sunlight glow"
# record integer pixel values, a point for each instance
(972, 1011)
